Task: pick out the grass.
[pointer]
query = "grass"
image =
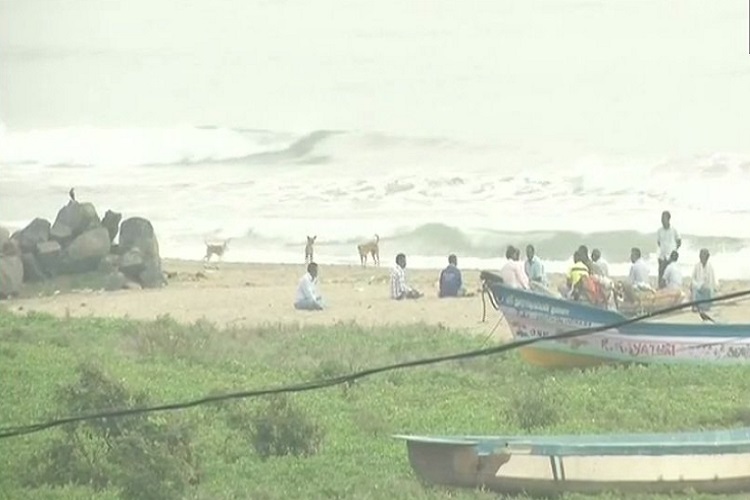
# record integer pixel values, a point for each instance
(356, 457)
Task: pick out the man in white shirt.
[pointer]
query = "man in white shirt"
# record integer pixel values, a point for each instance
(599, 265)
(308, 298)
(639, 271)
(703, 283)
(513, 272)
(668, 240)
(672, 279)
(399, 289)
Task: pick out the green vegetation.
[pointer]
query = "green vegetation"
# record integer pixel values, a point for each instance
(331, 443)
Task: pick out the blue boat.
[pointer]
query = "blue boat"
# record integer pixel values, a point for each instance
(531, 314)
(703, 462)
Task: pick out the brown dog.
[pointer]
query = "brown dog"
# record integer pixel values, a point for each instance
(309, 249)
(217, 249)
(371, 247)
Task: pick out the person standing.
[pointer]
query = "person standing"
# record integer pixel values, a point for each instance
(668, 240)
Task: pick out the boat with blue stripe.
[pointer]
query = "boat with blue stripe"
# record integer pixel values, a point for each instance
(701, 462)
(530, 314)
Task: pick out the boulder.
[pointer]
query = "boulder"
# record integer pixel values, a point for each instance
(61, 234)
(74, 219)
(109, 264)
(86, 251)
(132, 285)
(36, 232)
(152, 275)
(4, 236)
(111, 221)
(140, 253)
(135, 232)
(32, 270)
(10, 248)
(11, 275)
(48, 255)
(115, 281)
(131, 262)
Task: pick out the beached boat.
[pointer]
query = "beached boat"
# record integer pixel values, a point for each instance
(532, 314)
(701, 462)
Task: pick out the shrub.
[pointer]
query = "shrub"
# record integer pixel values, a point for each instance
(280, 429)
(534, 410)
(145, 457)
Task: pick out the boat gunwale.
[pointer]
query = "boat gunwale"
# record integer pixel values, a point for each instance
(732, 441)
(603, 317)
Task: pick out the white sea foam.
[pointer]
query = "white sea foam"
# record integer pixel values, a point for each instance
(425, 196)
(456, 129)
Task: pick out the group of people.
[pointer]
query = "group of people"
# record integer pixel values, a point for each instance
(703, 283)
(530, 274)
(586, 271)
(450, 284)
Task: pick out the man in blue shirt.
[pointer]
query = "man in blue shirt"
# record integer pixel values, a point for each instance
(451, 284)
(533, 267)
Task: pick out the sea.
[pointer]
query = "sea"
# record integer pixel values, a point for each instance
(448, 126)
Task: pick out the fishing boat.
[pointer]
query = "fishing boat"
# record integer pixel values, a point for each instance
(701, 462)
(531, 314)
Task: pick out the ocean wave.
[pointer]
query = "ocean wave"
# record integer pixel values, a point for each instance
(728, 264)
(439, 240)
(123, 147)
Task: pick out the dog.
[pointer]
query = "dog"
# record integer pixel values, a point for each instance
(372, 248)
(217, 249)
(309, 249)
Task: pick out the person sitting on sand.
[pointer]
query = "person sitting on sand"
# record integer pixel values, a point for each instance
(512, 272)
(451, 283)
(599, 266)
(308, 298)
(672, 276)
(533, 267)
(399, 289)
(703, 283)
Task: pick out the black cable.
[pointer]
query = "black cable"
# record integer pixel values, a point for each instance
(8, 432)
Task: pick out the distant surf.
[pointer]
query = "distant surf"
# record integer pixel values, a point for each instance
(426, 196)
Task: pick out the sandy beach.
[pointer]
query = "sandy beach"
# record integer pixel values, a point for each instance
(255, 294)
(249, 294)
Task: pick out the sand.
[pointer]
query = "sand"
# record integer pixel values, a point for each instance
(257, 294)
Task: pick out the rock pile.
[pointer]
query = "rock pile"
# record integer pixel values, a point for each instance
(80, 242)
